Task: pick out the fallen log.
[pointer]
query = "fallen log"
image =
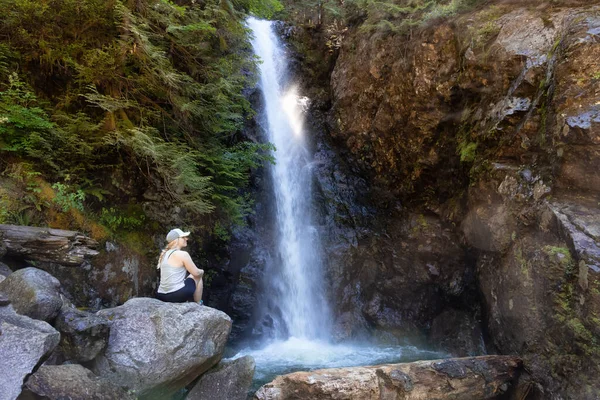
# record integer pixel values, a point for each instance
(485, 377)
(59, 246)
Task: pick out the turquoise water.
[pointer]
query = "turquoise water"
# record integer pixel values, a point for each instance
(294, 354)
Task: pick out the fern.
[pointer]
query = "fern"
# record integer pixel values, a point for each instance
(146, 94)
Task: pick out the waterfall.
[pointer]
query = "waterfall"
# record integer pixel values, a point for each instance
(295, 281)
(294, 311)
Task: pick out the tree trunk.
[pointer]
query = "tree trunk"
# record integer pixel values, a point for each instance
(486, 377)
(67, 248)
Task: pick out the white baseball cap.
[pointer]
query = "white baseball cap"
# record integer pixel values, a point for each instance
(176, 234)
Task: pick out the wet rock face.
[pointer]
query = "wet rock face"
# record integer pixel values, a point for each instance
(577, 125)
(492, 84)
(398, 279)
(538, 287)
(487, 123)
(456, 332)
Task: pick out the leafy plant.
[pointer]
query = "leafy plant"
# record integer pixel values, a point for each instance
(24, 127)
(67, 198)
(144, 95)
(115, 219)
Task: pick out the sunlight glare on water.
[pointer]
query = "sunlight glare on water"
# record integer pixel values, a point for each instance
(293, 105)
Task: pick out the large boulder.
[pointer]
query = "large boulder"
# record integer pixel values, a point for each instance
(72, 381)
(83, 334)
(24, 343)
(487, 377)
(34, 293)
(230, 379)
(157, 348)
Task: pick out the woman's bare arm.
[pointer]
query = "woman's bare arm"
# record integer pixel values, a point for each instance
(189, 264)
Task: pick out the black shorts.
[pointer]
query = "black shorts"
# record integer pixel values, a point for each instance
(182, 295)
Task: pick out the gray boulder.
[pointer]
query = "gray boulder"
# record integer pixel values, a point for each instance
(72, 382)
(4, 300)
(24, 343)
(157, 348)
(230, 380)
(34, 293)
(83, 334)
(5, 270)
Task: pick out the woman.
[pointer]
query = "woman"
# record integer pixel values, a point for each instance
(174, 263)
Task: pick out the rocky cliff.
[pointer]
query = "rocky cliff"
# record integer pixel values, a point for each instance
(466, 189)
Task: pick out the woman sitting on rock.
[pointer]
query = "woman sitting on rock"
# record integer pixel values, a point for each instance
(174, 264)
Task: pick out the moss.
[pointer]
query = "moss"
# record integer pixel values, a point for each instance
(580, 331)
(563, 302)
(467, 151)
(565, 258)
(420, 225)
(524, 265)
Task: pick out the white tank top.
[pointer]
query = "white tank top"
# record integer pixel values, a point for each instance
(171, 278)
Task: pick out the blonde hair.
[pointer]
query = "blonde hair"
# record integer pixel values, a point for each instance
(169, 246)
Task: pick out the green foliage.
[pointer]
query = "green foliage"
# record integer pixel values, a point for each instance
(68, 198)
(467, 151)
(565, 258)
(24, 127)
(117, 219)
(148, 91)
(398, 16)
(260, 8)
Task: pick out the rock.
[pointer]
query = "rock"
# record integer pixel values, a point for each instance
(109, 279)
(486, 377)
(34, 293)
(229, 380)
(74, 382)
(83, 335)
(489, 228)
(577, 126)
(579, 223)
(157, 348)
(5, 270)
(396, 277)
(46, 244)
(458, 333)
(24, 343)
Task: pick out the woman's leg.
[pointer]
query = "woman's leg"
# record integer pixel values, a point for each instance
(199, 289)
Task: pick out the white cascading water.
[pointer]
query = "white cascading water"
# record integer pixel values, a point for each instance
(296, 285)
(298, 282)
